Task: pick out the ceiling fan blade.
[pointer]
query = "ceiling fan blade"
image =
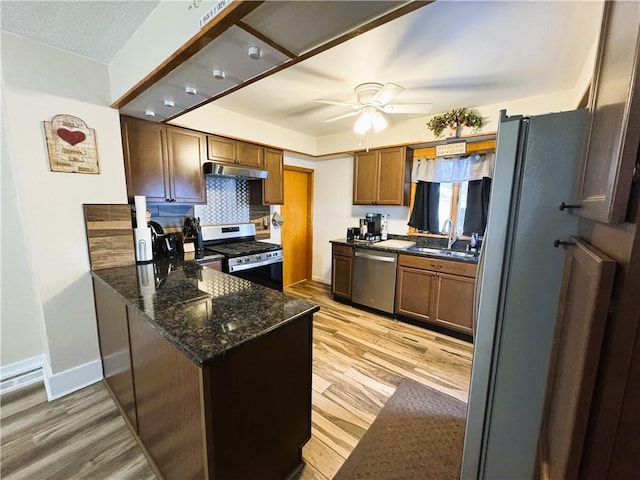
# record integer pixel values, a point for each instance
(387, 93)
(407, 108)
(340, 117)
(352, 106)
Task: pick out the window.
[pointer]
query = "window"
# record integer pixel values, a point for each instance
(453, 205)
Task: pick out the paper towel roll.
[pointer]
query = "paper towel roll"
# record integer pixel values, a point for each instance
(141, 210)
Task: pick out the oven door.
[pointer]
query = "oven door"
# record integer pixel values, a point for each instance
(267, 275)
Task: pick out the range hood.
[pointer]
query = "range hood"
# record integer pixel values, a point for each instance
(235, 171)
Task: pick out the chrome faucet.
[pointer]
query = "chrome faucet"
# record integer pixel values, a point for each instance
(449, 231)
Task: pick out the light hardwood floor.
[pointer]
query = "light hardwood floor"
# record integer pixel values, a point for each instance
(359, 358)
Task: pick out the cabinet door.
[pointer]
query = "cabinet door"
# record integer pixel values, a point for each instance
(145, 159)
(113, 331)
(392, 184)
(186, 152)
(250, 155)
(365, 178)
(607, 172)
(454, 302)
(582, 317)
(221, 149)
(168, 401)
(273, 186)
(415, 293)
(341, 276)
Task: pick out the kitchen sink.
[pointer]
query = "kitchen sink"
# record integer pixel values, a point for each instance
(436, 251)
(444, 252)
(455, 253)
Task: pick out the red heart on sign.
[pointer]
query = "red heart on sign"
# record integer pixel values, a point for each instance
(72, 138)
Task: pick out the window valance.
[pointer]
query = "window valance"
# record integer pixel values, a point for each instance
(457, 169)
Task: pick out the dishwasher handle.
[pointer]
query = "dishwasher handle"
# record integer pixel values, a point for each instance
(376, 257)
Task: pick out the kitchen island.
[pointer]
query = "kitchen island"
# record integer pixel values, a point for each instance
(211, 372)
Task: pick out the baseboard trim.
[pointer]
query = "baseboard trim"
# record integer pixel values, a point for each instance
(66, 382)
(22, 373)
(316, 278)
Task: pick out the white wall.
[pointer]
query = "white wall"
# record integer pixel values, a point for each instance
(21, 314)
(50, 203)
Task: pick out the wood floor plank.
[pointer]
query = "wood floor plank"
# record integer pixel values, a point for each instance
(359, 358)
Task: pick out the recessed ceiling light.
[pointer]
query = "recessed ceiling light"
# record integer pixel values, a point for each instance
(150, 113)
(254, 52)
(169, 103)
(190, 90)
(219, 74)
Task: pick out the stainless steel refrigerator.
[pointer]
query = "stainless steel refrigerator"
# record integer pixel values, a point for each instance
(517, 293)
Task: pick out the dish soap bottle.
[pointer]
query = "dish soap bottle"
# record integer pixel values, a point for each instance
(383, 230)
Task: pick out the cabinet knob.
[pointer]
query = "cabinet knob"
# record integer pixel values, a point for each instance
(167, 199)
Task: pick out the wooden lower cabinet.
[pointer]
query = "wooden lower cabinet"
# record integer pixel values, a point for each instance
(341, 266)
(246, 414)
(454, 302)
(439, 292)
(415, 291)
(113, 331)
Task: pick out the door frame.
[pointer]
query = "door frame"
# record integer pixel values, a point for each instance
(310, 191)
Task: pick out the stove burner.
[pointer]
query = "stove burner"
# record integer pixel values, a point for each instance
(240, 249)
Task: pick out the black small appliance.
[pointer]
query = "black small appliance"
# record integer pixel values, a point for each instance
(164, 244)
(374, 224)
(353, 233)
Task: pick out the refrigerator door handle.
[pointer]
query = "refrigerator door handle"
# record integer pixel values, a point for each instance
(476, 291)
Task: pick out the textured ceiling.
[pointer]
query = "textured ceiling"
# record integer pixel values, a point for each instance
(93, 29)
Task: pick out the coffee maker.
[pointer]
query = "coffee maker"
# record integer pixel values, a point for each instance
(374, 226)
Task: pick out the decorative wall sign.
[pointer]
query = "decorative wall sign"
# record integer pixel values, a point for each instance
(71, 145)
(451, 149)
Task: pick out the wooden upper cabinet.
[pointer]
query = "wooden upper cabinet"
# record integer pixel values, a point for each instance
(186, 152)
(273, 186)
(163, 163)
(250, 154)
(381, 177)
(144, 148)
(612, 150)
(221, 149)
(365, 178)
(228, 150)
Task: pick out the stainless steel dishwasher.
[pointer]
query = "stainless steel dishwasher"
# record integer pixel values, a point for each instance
(374, 279)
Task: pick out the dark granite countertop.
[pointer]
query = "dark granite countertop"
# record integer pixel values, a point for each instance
(202, 311)
(411, 250)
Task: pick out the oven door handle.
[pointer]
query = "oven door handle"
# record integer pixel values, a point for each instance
(247, 266)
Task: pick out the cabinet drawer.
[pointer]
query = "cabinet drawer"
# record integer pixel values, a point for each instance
(438, 265)
(343, 250)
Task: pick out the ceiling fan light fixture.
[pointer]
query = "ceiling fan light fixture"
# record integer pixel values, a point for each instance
(379, 122)
(363, 124)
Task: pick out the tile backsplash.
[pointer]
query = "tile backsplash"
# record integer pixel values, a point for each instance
(227, 202)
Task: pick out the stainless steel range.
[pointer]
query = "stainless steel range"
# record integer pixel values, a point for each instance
(259, 262)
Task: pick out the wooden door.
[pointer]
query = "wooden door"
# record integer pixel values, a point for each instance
(145, 159)
(583, 308)
(415, 293)
(608, 169)
(297, 232)
(454, 302)
(365, 178)
(273, 186)
(391, 177)
(186, 151)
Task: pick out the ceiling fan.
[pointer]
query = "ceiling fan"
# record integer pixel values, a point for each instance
(372, 100)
